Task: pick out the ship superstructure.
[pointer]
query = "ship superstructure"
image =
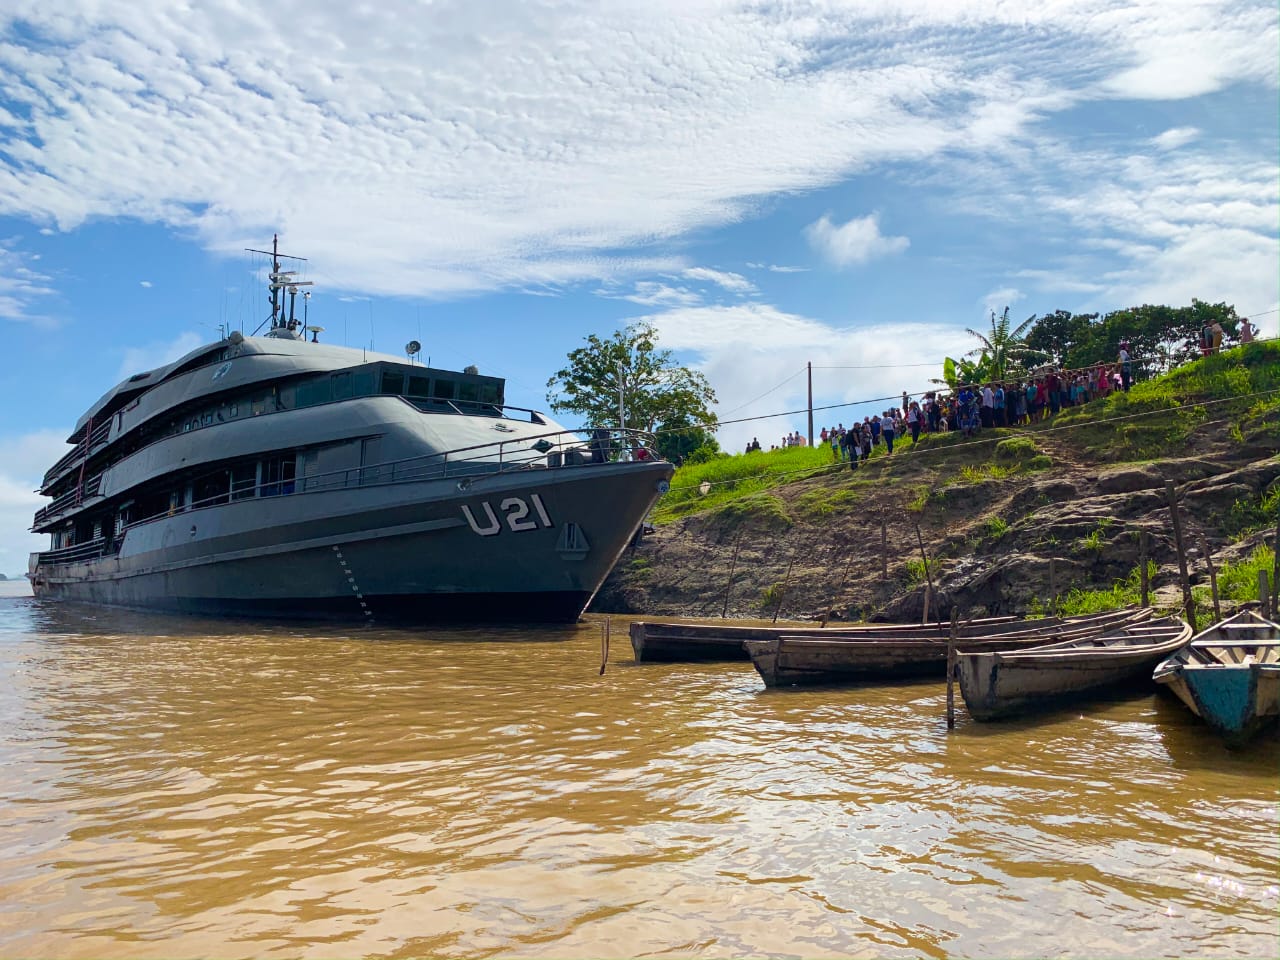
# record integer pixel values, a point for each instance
(278, 475)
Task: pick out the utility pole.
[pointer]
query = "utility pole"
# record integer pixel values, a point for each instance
(622, 398)
(809, 365)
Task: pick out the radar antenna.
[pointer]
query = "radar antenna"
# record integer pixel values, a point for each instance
(281, 280)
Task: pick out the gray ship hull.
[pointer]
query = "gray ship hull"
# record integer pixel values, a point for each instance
(531, 545)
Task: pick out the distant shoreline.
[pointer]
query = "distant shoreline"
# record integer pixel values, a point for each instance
(20, 587)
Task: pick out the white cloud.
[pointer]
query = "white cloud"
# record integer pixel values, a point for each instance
(488, 145)
(775, 268)
(27, 457)
(997, 300)
(652, 293)
(1176, 137)
(145, 283)
(854, 242)
(21, 287)
(733, 282)
(155, 354)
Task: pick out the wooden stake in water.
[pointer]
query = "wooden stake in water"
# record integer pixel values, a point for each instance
(951, 670)
(884, 550)
(1142, 562)
(783, 592)
(1213, 581)
(733, 564)
(1187, 603)
(928, 591)
(848, 567)
(1275, 571)
(605, 630)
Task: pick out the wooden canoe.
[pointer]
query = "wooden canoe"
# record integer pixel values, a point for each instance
(682, 642)
(808, 659)
(1229, 675)
(1000, 684)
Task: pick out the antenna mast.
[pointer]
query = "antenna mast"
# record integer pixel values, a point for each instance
(280, 282)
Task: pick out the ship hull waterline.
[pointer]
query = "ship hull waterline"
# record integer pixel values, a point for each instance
(492, 548)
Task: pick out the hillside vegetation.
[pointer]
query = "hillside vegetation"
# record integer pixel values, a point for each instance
(992, 511)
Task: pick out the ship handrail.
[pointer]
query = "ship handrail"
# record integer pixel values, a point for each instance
(83, 449)
(72, 498)
(414, 470)
(89, 550)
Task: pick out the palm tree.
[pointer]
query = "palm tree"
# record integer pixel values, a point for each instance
(1004, 349)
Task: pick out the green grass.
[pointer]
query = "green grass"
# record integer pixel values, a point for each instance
(825, 501)
(1248, 514)
(1016, 450)
(1122, 593)
(915, 570)
(1238, 582)
(1229, 376)
(732, 477)
(995, 527)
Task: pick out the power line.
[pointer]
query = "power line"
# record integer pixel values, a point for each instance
(812, 471)
(767, 392)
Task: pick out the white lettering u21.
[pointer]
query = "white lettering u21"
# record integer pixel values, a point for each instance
(516, 512)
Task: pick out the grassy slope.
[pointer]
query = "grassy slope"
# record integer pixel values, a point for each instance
(1216, 396)
(1149, 422)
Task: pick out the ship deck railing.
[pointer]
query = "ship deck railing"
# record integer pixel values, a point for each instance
(97, 438)
(555, 450)
(72, 498)
(89, 550)
(560, 449)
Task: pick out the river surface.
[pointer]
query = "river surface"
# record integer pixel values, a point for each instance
(195, 788)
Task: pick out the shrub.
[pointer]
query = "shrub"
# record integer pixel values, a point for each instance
(1016, 450)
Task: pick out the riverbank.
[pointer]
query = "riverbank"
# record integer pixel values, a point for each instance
(1009, 520)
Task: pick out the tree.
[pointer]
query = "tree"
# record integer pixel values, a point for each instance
(1060, 334)
(1004, 347)
(659, 394)
(1159, 337)
(1000, 356)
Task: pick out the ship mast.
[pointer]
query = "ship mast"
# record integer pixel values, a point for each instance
(281, 282)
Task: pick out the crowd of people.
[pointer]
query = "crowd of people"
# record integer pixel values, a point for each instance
(974, 407)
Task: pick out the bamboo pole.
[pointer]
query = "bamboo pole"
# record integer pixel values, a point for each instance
(783, 592)
(845, 579)
(1053, 586)
(605, 630)
(1142, 560)
(1213, 580)
(733, 565)
(1188, 604)
(884, 551)
(928, 576)
(1264, 595)
(1275, 570)
(951, 669)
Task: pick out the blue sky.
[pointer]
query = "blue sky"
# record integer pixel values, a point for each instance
(850, 184)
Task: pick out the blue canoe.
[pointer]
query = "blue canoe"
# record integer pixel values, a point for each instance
(1229, 675)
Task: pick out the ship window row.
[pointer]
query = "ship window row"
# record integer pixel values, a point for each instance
(426, 391)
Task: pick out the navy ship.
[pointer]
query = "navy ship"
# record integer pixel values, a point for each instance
(279, 476)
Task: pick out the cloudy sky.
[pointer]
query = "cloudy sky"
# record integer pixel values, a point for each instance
(771, 184)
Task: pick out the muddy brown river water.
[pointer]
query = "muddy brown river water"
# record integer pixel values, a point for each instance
(183, 788)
